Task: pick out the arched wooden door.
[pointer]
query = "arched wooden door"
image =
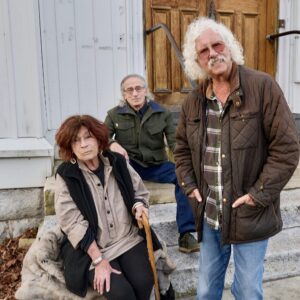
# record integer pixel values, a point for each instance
(250, 20)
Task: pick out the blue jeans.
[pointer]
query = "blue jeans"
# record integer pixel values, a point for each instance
(165, 173)
(213, 262)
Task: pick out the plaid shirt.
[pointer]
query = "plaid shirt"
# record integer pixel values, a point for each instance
(212, 160)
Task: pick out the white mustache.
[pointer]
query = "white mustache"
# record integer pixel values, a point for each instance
(219, 58)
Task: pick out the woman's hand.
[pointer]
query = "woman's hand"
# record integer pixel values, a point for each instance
(102, 276)
(139, 210)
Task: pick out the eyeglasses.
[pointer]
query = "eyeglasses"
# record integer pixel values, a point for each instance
(217, 47)
(137, 88)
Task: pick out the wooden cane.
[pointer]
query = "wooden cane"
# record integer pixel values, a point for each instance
(145, 223)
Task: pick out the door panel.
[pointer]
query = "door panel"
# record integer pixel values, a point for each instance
(251, 31)
(161, 52)
(165, 76)
(251, 21)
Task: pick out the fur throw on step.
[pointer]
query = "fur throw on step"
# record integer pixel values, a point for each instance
(42, 274)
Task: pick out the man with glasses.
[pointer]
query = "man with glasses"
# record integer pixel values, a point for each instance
(139, 128)
(236, 148)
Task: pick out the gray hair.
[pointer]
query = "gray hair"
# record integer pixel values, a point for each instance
(195, 29)
(132, 76)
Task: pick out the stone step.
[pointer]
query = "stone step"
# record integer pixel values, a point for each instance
(282, 261)
(294, 182)
(290, 207)
(163, 216)
(49, 190)
(159, 193)
(282, 258)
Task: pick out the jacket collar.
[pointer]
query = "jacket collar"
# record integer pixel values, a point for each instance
(235, 86)
(124, 108)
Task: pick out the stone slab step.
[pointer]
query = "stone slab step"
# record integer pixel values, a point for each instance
(290, 207)
(163, 216)
(282, 258)
(294, 182)
(282, 261)
(49, 190)
(159, 193)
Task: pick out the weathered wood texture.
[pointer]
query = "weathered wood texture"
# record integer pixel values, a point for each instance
(250, 20)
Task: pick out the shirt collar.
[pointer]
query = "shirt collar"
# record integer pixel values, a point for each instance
(142, 110)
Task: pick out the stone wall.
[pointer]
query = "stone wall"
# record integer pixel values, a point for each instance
(20, 209)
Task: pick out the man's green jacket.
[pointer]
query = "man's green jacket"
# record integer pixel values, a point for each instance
(144, 139)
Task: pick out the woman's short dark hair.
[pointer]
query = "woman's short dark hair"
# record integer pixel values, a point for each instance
(69, 129)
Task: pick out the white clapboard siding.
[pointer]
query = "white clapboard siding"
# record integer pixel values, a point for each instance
(86, 67)
(19, 68)
(295, 63)
(288, 58)
(85, 52)
(8, 126)
(50, 63)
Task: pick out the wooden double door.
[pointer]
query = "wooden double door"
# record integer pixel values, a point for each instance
(250, 21)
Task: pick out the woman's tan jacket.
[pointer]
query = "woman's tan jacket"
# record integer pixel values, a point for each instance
(116, 234)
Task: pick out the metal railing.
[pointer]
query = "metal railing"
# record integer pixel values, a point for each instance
(173, 44)
(273, 36)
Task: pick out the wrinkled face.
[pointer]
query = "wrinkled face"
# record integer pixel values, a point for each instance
(134, 92)
(85, 146)
(213, 56)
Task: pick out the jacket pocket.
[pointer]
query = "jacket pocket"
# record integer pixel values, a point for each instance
(125, 132)
(156, 129)
(254, 222)
(156, 136)
(197, 208)
(244, 130)
(192, 129)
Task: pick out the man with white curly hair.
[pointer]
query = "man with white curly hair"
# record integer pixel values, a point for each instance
(236, 148)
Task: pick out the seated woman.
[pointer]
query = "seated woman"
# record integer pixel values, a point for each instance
(98, 200)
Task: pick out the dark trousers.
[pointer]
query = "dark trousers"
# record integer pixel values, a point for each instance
(136, 280)
(165, 173)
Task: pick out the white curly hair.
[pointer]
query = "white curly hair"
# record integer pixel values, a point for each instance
(195, 29)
